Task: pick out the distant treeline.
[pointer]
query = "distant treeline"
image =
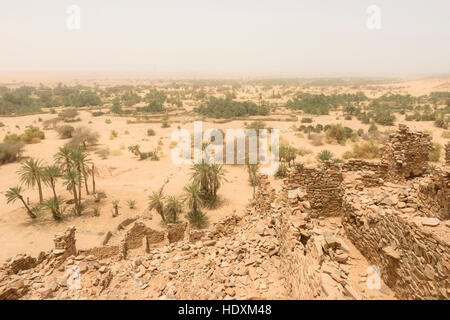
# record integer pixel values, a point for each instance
(27, 99)
(228, 108)
(321, 104)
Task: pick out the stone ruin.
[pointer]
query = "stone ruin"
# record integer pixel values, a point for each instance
(306, 240)
(447, 154)
(406, 154)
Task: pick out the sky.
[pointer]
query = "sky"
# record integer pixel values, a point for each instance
(228, 37)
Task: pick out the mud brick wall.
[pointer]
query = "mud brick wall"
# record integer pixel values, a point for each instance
(406, 154)
(433, 195)
(323, 187)
(414, 260)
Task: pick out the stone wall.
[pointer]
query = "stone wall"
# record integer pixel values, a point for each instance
(370, 174)
(300, 266)
(406, 154)
(412, 252)
(322, 187)
(65, 243)
(447, 154)
(434, 194)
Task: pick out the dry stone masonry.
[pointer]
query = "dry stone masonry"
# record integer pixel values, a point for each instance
(406, 154)
(313, 238)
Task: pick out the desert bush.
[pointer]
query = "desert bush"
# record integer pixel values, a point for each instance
(324, 155)
(151, 132)
(306, 120)
(83, 136)
(131, 204)
(68, 115)
(32, 135)
(282, 171)
(113, 134)
(364, 150)
(165, 122)
(446, 134)
(338, 133)
(2, 124)
(97, 113)
(316, 139)
(108, 121)
(65, 132)
(10, 152)
(302, 151)
(435, 153)
(12, 138)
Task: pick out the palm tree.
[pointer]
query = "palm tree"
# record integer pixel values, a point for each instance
(156, 202)
(63, 158)
(52, 204)
(93, 172)
(216, 177)
(253, 176)
(80, 163)
(194, 196)
(209, 177)
(173, 208)
(70, 181)
(15, 193)
(49, 175)
(201, 175)
(31, 174)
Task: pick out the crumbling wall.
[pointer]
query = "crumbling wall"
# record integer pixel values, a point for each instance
(300, 266)
(406, 154)
(411, 252)
(447, 154)
(434, 194)
(369, 174)
(322, 186)
(65, 243)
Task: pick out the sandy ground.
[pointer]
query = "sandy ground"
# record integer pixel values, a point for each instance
(123, 177)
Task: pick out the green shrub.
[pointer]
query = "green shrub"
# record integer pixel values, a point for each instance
(366, 150)
(324, 155)
(306, 120)
(197, 219)
(151, 132)
(108, 121)
(131, 204)
(32, 135)
(282, 171)
(435, 154)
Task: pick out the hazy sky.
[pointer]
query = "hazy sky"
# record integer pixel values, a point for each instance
(227, 37)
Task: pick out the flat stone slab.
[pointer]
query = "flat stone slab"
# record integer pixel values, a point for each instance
(431, 222)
